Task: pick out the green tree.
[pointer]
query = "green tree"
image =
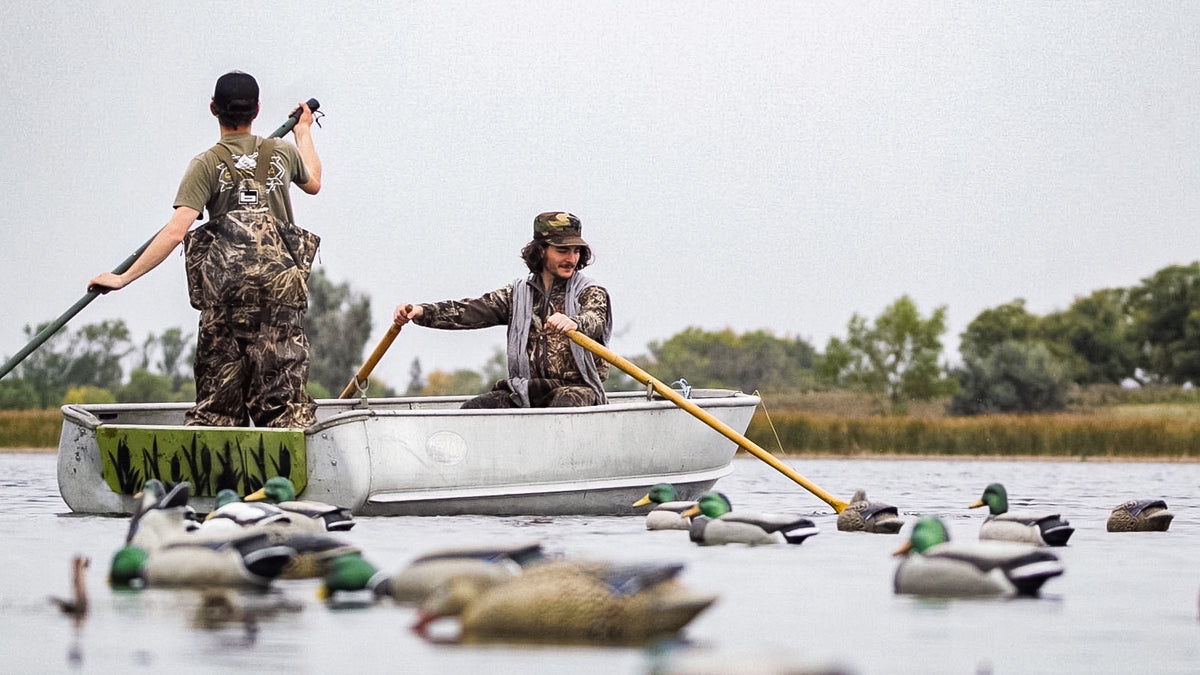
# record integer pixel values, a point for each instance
(95, 353)
(17, 394)
(993, 326)
(416, 382)
(752, 361)
(896, 358)
(1166, 322)
(146, 387)
(338, 324)
(1095, 337)
(1015, 377)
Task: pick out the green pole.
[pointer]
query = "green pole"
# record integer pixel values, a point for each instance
(66, 316)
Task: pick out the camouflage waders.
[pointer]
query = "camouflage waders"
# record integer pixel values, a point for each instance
(542, 394)
(248, 275)
(252, 364)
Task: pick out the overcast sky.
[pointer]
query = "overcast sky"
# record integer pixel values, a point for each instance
(780, 166)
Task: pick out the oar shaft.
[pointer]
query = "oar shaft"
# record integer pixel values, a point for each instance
(727, 431)
(360, 378)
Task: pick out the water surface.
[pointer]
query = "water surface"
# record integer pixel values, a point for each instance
(1127, 603)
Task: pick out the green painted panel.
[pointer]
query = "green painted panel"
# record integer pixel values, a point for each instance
(241, 459)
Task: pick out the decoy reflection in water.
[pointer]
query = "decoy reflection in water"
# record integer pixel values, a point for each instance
(667, 513)
(1031, 527)
(862, 515)
(568, 602)
(1140, 515)
(714, 523)
(935, 566)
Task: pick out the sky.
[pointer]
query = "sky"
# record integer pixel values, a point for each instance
(769, 165)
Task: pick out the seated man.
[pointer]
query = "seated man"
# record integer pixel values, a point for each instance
(545, 367)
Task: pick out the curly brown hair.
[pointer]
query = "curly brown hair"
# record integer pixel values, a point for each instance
(534, 255)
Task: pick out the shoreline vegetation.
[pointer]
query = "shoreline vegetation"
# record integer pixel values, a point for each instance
(1101, 424)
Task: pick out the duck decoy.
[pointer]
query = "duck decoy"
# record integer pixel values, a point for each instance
(161, 516)
(1031, 527)
(861, 515)
(280, 491)
(1140, 515)
(233, 513)
(667, 513)
(714, 522)
(348, 575)
(314, 548)
(935, 566)
(569, 602)
(249, 560)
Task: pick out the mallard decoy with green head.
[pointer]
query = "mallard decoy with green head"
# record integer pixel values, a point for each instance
(231, 513)
(861, 515)
(1031, 527)
(569, 602)
(1140, 515)
(935, 566)
(249, 560)
(714, 522)
(667, 513)
(174, 553)
(348, 576)
(280, 491)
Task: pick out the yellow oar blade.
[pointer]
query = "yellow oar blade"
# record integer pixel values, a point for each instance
(727, 431)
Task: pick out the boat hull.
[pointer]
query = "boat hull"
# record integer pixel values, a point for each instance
(417, 456)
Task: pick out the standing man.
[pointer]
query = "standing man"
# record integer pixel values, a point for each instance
(545, 367)
(247, 267)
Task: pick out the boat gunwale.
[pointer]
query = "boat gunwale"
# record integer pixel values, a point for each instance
(88, 416)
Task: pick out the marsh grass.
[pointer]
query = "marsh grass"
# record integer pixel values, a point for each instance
(30, 428)
(1102, 424)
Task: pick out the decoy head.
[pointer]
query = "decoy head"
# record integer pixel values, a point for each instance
(658, 494)
(926, 533)
(995, 497)
(712, 504)
(350, 573)
(128, 568)
(450, 599)
(227, 496)
(276, 489)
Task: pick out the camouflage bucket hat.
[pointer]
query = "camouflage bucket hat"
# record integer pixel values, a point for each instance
(558, 228)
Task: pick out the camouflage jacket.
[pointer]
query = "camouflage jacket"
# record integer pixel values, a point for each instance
(549, 353)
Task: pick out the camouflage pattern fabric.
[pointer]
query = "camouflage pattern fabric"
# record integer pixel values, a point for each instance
(252, 364)
(542, 394)
(247, 255)
(550, 358)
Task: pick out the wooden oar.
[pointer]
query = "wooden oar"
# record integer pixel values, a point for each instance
(359, 381)
(54, 326)
(726, 430)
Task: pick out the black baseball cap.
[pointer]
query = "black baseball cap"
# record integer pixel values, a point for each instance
(236, 92)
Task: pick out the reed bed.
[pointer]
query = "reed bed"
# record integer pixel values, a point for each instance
(30, 428)
(1052, 435)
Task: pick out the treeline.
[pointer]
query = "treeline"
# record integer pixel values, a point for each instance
(1012, 361)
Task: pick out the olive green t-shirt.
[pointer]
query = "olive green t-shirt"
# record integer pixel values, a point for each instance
(207, 184)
